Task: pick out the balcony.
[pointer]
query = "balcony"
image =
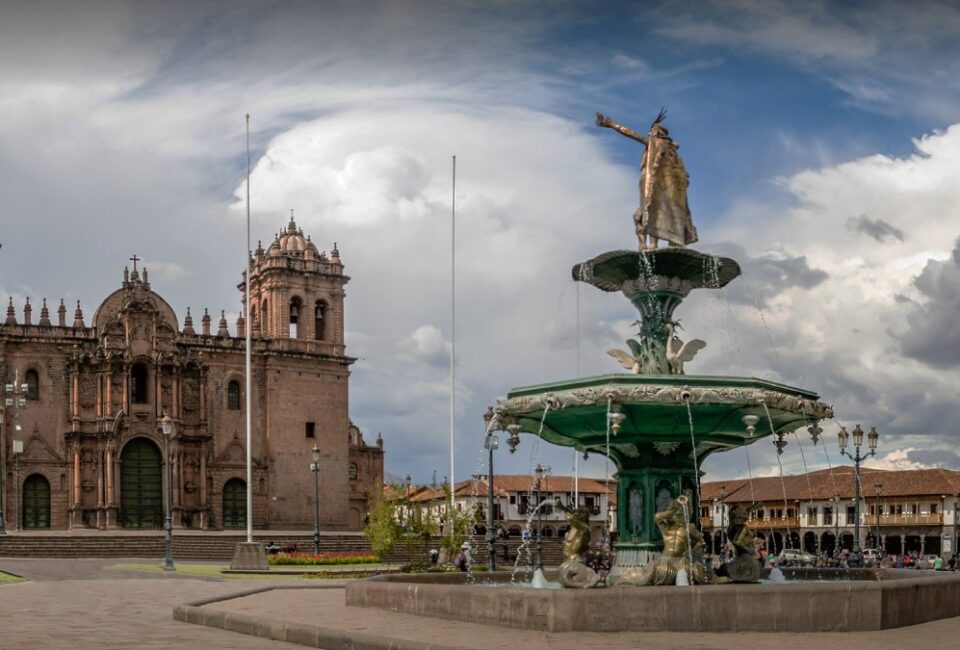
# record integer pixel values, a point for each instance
(774, 522)
(706, 522)
(922, 519)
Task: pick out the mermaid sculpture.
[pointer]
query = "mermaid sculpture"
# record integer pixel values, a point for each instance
(681, 542)
(574, 572)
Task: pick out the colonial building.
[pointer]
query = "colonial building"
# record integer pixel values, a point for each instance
(900, 510)
(514, 502)
(82, 447)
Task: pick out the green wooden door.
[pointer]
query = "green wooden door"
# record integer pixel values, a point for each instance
(36, 502)
(141, 485)
(235, 504)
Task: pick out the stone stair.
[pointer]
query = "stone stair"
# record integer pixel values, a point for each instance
(188, 546)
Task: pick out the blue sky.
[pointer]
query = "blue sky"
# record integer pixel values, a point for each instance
(813, 132)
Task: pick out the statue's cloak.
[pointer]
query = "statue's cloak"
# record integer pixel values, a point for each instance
(663, 212)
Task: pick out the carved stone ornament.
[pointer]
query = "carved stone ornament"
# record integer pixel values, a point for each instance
(661, 394)
(665, 448)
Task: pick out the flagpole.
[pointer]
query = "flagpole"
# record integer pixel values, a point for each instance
(453, 335)
(249, 327)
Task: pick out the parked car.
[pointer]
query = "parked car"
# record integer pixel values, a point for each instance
(926, 561)
(795, 557)
(872, 556)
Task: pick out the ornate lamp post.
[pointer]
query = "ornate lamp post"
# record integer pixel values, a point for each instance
(406, 502)
(836, 523)
(315, 468)
(166, 425)
(16, 396)
(723, 518)
(857, 458)
(540, 471)
(878, 487)
(491, 442)
(956, 539)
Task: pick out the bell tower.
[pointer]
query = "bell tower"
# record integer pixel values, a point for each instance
(296, 291)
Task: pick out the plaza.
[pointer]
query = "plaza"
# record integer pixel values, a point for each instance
(136, 609)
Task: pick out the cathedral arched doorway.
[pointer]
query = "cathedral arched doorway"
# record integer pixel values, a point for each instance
(235, 504)
(141, 485)
(36, 502)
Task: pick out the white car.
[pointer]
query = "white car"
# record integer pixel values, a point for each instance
(795, 557)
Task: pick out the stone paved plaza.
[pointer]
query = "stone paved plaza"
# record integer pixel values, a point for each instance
(80, 604)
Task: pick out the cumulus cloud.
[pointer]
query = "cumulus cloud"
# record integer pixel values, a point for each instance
(933, 332)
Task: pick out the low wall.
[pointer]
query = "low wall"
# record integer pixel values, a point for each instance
(892, 601)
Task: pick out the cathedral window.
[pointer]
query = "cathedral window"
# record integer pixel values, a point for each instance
(264, 318)
(139, 379)
(32, 380)
(294, 318)
(311, 429)
(354, 472)
(233, 395)
(319, 320)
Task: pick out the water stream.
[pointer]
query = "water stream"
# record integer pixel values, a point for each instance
(787, 542)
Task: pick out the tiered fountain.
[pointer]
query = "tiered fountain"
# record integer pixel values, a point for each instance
(657, 425)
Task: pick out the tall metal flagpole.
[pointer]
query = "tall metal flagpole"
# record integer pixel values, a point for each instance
(247, 330)
(576, 454)
(453, 332)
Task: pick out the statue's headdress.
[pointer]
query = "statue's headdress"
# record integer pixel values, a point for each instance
(658, 123)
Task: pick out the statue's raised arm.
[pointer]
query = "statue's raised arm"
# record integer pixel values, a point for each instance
(605, 122)
(663, 212)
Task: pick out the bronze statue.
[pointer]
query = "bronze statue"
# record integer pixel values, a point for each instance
(663, 212)
(681, 540)
(744, 567)
(574, 572)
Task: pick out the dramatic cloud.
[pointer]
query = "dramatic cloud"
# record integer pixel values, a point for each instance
(876, 228)
(933, 333)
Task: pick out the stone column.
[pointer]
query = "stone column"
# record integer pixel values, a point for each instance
(176, 395)
(110, 501)
(76, 474)
(203, 396)
(75, 394)
(99, 394)
(108, 406)
(126, 389)
(203, 488)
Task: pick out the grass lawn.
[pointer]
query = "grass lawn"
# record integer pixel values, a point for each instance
(6, 578)
(216, 570)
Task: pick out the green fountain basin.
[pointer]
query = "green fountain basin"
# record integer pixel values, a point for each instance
(654, 447)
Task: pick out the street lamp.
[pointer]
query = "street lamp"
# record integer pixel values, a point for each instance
(540, 471)
(723, 517)
(315, 468)
(843, 438)
(166, 425)
(836, 523)
(878, 487)
(16, 396)
(491, 442)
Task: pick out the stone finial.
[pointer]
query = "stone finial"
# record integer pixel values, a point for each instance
(62, 314)
(146, 281)
(188, 324)
(255, 321)
(241, 326)
(292, 226)
(222, 325)
(380, 439)
(11, 314)
(78, 317)
(259, 251)
(126, 275)
(28, 313)
(335, 253)
(44, 315)
(205, 322)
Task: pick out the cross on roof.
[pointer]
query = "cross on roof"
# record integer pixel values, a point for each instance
(135, 259)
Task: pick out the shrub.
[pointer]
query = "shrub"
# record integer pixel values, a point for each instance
(297, 558)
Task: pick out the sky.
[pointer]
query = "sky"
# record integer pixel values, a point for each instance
(822, 141)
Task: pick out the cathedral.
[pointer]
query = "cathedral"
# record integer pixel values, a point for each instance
(82, 442)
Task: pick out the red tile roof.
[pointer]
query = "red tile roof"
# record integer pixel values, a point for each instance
(505, 483)
(823, 484)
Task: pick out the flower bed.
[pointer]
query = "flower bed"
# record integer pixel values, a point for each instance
(298, 558)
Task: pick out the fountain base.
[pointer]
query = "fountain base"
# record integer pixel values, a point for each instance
(843, 601)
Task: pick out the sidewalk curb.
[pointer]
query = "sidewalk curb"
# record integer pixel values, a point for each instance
(312, 636)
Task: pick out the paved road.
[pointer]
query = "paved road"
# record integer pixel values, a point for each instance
(79, 604)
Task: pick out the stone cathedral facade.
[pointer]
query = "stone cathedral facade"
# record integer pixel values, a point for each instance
(83, 446)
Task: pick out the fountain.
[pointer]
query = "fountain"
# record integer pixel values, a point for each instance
(658, 424)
